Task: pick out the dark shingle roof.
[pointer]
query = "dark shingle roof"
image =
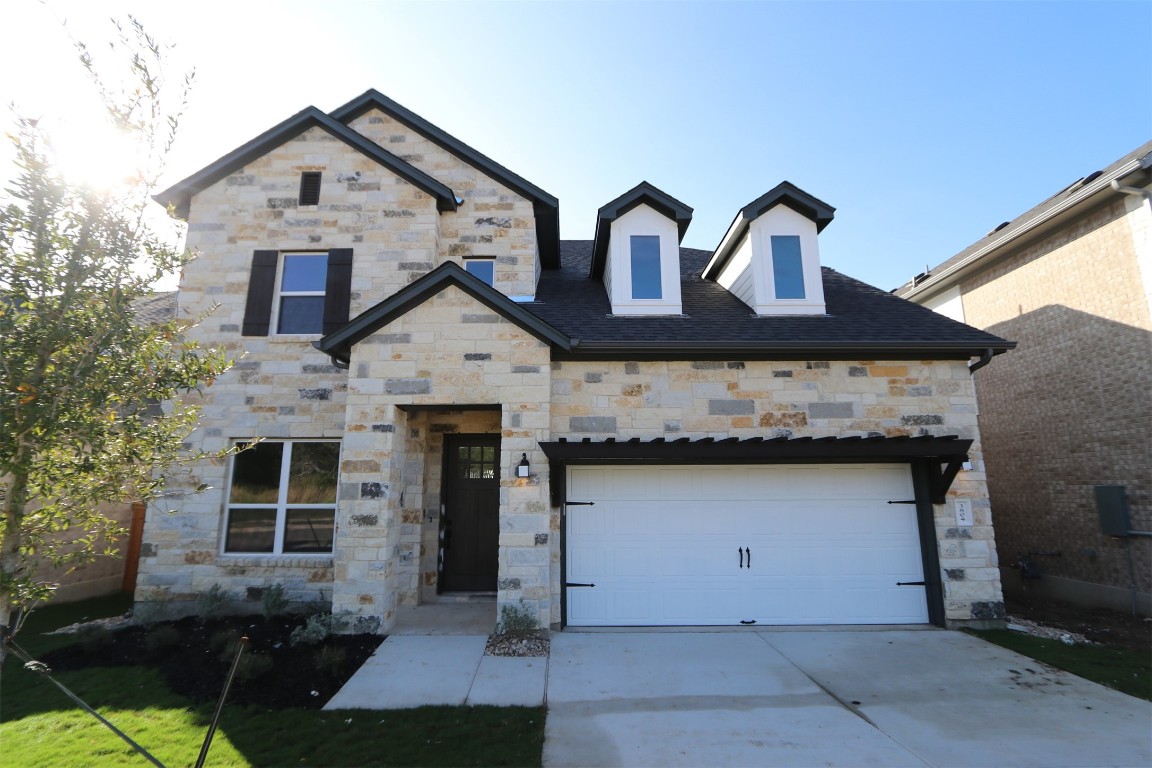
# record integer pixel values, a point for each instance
(861, 321)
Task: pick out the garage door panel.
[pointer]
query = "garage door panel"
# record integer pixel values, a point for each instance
(673, 545)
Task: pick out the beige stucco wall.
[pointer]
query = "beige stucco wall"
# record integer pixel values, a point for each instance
(1070, 407)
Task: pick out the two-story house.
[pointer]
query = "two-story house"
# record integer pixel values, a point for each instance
(617, 431)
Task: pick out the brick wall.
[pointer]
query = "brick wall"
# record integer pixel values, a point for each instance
(1070, 407)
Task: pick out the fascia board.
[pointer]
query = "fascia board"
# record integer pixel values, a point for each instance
(1102, 184)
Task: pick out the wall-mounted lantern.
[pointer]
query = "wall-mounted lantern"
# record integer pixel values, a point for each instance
(523, 468)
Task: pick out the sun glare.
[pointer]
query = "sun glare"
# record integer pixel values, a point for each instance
(97, 156)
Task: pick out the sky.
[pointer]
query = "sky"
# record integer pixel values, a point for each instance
(925, 124)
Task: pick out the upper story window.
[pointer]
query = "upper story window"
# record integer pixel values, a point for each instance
(483, 269)
(787, 267)
(298, 293)
(300, 305)
(282, 498)
(646, 267)
(310, 188)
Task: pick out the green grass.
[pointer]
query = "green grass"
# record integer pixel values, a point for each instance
(1126, 671)
(40, 726)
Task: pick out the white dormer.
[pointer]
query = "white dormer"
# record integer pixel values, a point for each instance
(637, 251)
(770, 256)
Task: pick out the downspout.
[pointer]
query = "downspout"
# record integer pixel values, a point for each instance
(1135, 191)
(985, 358)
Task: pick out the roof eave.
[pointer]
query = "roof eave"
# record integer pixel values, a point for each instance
(1095, 193)
(339, 343)
(678, 350)
(179, 195)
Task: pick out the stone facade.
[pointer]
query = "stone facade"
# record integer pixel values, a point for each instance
(1070, 407)
(451, 364)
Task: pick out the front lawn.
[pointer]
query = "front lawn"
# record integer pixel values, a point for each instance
(40, 726)
(1122, 669)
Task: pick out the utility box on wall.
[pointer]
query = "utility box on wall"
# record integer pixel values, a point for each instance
(1112, 506)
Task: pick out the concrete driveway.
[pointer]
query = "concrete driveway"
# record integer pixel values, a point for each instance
(827, 698)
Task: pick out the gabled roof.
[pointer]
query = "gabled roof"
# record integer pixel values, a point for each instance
(784, 193)
(641, 194)
(545, 206)
(339, 343)
(862, 322)
(180, 194)
(1083, 195)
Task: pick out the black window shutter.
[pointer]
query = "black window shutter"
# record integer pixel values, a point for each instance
(261, 289)
(338, 289)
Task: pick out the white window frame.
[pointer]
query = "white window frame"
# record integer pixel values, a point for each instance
(282, 505)
(279, 293)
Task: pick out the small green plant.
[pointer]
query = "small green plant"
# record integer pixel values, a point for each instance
(252, 666)
(330, 660)
(314, 631)
(161, 639)
(517, 619)
(210, 604)
(273, 601)
(222, 644)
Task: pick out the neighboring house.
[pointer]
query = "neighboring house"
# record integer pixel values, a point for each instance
(1070, 280)
(617, 431)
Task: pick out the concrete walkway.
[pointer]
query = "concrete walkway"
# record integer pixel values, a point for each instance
(836, 697)
(827, 698)
(435, 655)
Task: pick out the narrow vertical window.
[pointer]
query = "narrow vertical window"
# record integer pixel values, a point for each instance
(310, 188)
(484, 269)
(787, 267)
(646, 267)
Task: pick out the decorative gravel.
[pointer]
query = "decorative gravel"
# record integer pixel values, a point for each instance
(534, 644)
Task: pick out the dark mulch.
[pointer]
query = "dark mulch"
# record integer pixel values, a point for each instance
(1113, 629)
(195, 657)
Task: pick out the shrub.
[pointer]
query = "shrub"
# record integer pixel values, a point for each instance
(517, 619)
(161, 638)
(252, 666)
(223, 644)
(330, 661)
(314, 631)
(94, 638)
(211, 604)
(273, 601)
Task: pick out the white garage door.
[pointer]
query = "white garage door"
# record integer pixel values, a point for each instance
(719, 545)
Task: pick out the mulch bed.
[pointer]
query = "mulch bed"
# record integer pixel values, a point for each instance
(195, 656)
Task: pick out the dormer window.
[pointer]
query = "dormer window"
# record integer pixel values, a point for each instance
(637, 251)
(770, 256)
(787, 267)
(646, 267)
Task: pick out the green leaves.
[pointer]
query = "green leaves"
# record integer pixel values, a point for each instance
(90, 409)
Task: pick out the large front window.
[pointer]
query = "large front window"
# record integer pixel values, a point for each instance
(282, 499)
(300, 301)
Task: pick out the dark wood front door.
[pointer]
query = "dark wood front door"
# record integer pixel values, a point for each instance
(470, 523)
